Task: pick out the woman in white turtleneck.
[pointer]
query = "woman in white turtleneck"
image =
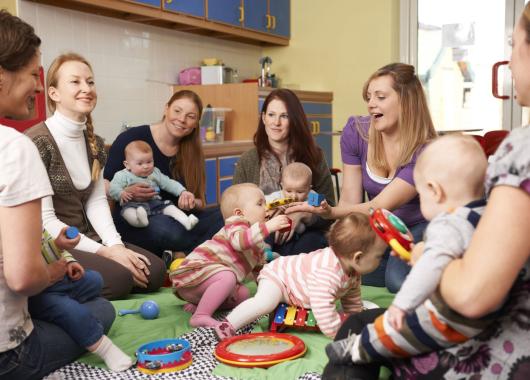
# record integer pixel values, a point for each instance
(74, 157)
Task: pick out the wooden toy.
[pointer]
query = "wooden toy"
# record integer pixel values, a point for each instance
(165, 355)
(392, 230)
(286, 316)
(259, 349)
(315, 199)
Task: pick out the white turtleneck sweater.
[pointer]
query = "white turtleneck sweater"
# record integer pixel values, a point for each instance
(68, 135)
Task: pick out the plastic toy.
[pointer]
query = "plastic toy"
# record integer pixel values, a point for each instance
(165, 355)
(72, 232)
(175, 264)
(279, 202)
(148, 310)
(292, 316)
(259, 349)
(288, 228)
(392, 230)
(314, 199)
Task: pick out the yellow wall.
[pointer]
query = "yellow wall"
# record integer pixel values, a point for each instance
(335, 45)
(9, 5)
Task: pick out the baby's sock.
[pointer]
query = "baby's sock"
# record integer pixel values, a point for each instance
(193, 220)
(143, 219)
(114, 358)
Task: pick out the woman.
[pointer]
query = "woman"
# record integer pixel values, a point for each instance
(29, 348)
(74, 156)
(178, 153)
(284, 136)
(494, 270)
(379, 153)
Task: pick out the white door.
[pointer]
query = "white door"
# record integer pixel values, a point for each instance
(455, 45)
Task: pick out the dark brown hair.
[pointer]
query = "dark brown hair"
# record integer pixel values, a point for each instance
(188, 166)
(300, 141)
(18, 42)
(351, 234)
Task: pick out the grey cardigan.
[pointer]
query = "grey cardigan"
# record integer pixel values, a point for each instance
(247, 170)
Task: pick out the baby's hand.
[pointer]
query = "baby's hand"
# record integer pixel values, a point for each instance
(277, 223)
(125, 197)
(64, 243)
(75, 270)
(396, 317)
(417, 252)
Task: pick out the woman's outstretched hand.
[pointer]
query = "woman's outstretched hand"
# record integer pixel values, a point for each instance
(136, 263)
(324, 210)
(141, 192)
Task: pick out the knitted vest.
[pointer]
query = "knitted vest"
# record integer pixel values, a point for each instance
(68, 202)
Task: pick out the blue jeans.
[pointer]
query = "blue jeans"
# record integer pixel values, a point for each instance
(165, 233)
(309, 241)
(392, 271)
(63, 304)
(49, 347)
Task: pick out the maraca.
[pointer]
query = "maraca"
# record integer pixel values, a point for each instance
(148, 310)
(72, 232)
(392, 230)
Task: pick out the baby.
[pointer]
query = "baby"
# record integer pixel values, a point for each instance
(296, 183)
(315, 280)
(449, 177)
(211, 276)
(139, 167)
(62, 303)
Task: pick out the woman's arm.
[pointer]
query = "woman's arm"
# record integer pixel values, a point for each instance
(479, 282)
(24, 268)
(325, 184)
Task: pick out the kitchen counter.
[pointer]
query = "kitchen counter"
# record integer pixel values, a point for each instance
(227, 148)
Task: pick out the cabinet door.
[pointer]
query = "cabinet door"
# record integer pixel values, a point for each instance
(321, 131)
(227, 11)
(211, 180)
(153, 3)
(190, 7)
(256, 16)
(280, 12)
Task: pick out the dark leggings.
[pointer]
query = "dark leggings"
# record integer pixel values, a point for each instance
(354, 325)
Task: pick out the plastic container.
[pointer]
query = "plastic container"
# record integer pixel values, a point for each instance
(212, 124)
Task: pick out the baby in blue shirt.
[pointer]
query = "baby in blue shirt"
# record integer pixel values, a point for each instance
(139, 167)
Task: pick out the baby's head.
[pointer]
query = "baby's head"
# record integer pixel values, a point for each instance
(449, 173)
(246, 200)
(355, 243)
(139, 158)
(296, 181)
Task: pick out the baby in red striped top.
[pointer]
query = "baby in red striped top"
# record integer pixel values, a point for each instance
(211, 276)
(315, 280)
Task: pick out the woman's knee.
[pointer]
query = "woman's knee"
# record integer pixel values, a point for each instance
(395, 274)
(119, 285)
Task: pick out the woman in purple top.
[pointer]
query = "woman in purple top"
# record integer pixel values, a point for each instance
(379, 153)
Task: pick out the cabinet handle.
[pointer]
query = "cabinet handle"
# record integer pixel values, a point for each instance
(241, 14)
(169, 1)
(317, 125)
(312, 127)
(273, 22)
(269, 21)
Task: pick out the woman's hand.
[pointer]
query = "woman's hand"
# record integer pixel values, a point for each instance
(136, 263)
(187, 200)
(141, 192)
(324, 210)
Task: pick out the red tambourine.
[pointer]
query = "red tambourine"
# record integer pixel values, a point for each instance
(259, 349)
(392, 230)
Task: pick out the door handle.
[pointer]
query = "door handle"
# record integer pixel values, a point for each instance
(495, 80)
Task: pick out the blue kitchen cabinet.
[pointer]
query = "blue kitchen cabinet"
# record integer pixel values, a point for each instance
(226, 11)
(211, 180)
(321, 128)
(152, 3)
(190, 7)
(256, 15)
(219, 173)
(280, 15)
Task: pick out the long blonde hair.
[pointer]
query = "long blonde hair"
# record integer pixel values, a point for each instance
(414, 123)
(52, 78)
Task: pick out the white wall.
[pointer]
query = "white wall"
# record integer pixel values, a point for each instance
(134, 64)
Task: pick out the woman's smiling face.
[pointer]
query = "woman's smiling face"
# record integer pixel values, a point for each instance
(181, 117)
(383, 103)
(276, 121)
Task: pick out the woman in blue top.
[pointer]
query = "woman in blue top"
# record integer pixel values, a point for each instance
(379, 153)
(177, 152)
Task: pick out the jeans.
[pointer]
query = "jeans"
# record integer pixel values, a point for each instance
(309, 241)
(392, 271)
(165, 233)
(49, 347)
(63, 305)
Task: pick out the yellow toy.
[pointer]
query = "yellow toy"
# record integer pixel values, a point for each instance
(279, 202)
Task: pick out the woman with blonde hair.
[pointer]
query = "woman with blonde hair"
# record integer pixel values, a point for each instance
(177, 152)
(379, 152)
(74, 157)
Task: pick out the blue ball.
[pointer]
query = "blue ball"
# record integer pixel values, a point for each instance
(149, 310)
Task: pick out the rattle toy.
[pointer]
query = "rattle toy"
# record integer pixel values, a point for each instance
(314, 199)
(165, 355)
(279, 202)
(148, 310)
(292, 316)
(392, 230)
(259, 349)
(72, 232)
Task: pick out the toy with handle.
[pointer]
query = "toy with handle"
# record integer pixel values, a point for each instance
(148, 310)
(392, 230)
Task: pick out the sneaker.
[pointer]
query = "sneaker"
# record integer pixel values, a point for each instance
(224, 330)
(340, 351)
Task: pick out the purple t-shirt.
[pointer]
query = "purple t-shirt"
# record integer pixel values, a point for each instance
(354, 149)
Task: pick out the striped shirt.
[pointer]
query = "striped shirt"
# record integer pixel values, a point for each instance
(237, 247)
(316, 280)
(50, 251)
